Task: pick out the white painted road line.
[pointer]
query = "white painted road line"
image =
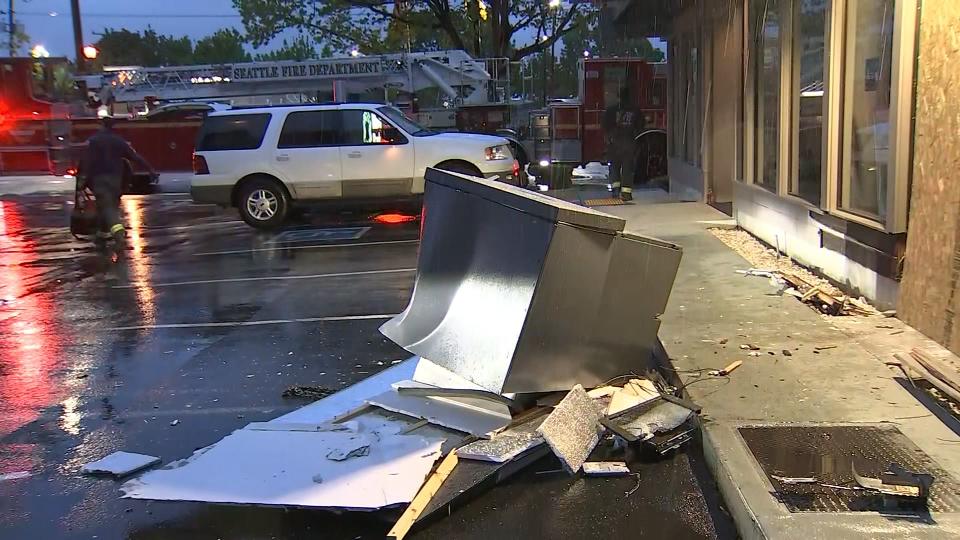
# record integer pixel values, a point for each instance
(265, 278)
(255, 323)
(206, 225)
(320, 246)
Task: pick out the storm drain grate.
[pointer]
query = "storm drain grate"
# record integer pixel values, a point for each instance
(611, 201)
(827, 452)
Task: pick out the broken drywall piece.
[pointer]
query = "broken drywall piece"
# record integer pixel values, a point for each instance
(572, 429)
(478, 417)
(662, 417)
(120, 464)
(605, 468)
(281, 468)
(500, 448)
(341, 454)
(507, 445)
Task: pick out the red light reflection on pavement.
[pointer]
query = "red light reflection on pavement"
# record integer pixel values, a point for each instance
(393, 219)
(29, 342)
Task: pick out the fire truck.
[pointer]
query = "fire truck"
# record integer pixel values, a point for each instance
(569, 132)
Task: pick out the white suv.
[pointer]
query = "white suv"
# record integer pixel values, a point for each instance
(266, 160)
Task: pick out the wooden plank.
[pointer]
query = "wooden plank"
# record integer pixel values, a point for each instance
(429, 489)
(931, 378)
(950, 378)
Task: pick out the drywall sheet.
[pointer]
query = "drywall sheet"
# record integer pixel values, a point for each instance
(290, 468)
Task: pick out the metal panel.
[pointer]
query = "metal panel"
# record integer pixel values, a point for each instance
(516, 292)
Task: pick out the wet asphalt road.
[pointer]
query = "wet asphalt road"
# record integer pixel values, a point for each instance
(207, 322)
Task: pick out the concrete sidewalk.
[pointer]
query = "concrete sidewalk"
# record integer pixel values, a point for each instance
(848, 384)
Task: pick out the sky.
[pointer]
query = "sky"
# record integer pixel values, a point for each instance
(194, 18)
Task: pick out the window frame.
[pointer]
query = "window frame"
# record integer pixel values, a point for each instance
(335, 114)
(202, 133)
(343, 123)
(903, 61)
(792, 189)
(837, 45)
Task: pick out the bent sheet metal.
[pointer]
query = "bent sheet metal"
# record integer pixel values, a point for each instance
(519, 292)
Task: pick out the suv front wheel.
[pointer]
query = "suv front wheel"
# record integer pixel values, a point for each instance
(263, 204)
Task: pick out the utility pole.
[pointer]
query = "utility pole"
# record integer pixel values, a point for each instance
(77, 34)
(10, 29)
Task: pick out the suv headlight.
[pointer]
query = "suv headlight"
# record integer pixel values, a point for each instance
(497, 152)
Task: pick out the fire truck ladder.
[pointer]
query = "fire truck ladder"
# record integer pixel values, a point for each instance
(461, 78)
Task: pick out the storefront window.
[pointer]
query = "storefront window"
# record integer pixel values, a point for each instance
(766, 32)
(866, 115)
(810, 97)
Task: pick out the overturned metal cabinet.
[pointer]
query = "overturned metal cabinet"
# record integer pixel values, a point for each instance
(520, 292)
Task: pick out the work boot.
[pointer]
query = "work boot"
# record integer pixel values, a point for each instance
(626, 196)
(119, 239)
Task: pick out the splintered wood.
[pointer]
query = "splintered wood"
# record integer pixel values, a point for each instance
(429, 489)
(805, 285)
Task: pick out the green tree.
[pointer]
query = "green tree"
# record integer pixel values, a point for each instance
(383, 25)
(124, 47)
(222, 47)
(300, 48)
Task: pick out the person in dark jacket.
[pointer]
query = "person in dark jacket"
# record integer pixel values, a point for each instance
(103, 168)
(621, 124)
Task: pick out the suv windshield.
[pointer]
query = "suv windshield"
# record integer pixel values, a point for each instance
(406, 124)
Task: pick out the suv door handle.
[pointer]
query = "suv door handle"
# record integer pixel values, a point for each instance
(283, 157)
(354, 155)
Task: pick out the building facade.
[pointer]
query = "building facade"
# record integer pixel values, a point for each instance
(829, 128)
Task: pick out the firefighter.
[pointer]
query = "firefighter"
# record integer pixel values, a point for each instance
(103, 168)
(621, 124)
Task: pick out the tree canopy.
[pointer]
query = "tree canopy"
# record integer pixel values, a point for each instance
(224, 46)
(221, 47)
(496, 28)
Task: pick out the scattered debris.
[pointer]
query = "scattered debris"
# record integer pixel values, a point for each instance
(896, 481)
(635, 488)
(794, 480)
(727, 370)
(571, 429)
(175, 422)
(753, 353)
(723, 341)
(662, 418)
(15, 475)
(120, 464)
(936, 374)
(340, 454)
(302, 391)
(506, 445)
(786, 352)
(605, 468)
(631, 396)
(749, 347)
(824, 347)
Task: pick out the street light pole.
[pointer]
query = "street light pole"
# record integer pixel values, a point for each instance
(77, 35)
